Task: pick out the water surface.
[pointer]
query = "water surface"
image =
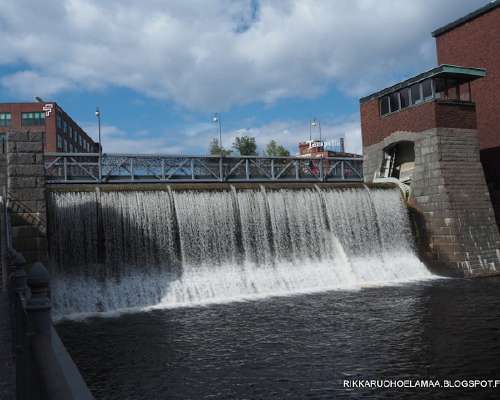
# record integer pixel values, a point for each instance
(298, 347)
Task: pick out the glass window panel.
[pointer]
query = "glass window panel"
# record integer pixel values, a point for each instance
(384, 105)
(404, 96)
(416, 97)
(452, 85)
(427, 89)
(465, 92)
(440, 88)
(394, 101)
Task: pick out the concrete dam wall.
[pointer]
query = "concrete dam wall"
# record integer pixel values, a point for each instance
(126, 249)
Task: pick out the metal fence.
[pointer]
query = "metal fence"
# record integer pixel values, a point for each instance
(129, 168)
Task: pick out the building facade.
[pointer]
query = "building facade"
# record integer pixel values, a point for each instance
(475, 40)
(60, 133)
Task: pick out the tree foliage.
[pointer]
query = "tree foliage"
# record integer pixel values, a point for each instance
(217, 150)
(273, 149)
(245, 145)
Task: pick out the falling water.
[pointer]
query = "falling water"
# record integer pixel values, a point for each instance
(115, 250)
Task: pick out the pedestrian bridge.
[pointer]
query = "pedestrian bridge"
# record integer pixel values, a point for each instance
(73, 168)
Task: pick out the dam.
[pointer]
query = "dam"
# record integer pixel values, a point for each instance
(112, 250)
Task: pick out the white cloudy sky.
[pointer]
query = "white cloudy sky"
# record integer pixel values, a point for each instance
(268, 66)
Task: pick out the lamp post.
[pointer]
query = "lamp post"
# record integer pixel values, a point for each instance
(98, 115)
(216, 120)
(315, 123)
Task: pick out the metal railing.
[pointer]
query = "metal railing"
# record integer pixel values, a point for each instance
(130, 168)
(44, 370)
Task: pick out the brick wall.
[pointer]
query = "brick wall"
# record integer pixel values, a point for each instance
(425, 116)
(26, 194)
(477, 44)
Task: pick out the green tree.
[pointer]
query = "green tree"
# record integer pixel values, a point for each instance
(273, 149)
(245, 145)
(216, 150)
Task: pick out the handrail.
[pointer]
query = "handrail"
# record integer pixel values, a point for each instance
(142, 168)
(44, 369)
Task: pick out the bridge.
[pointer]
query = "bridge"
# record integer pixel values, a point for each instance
(141, 168)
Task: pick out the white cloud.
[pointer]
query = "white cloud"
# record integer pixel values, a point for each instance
(212, 55)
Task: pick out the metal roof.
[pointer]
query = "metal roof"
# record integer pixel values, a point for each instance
(451, 71)
(469, 17)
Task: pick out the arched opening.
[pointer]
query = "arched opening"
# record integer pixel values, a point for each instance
(399, 161)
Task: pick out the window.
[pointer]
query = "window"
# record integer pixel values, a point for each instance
(416, 96)
(32, 118)
(384, 105)
(465, 92)
(5, 118)
(65, 127)
(404, 96)
(65, 146)
(440, 88)
(59, 121)
(427, 89)
(394, 101)
(59, 142)
(452, 86)
(71, 148)
(70, 131)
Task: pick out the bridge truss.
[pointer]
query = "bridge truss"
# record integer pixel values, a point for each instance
(134, 168)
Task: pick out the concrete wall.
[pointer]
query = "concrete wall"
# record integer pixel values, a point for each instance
(455, 224)
(26, 194)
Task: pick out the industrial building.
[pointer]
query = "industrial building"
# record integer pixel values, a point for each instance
(59, 131)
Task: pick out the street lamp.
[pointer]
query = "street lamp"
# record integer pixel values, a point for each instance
(98, 115)
(315, 123)
(216, 120)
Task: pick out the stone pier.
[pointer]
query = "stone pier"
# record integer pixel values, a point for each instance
(26, 194)
(456, 230)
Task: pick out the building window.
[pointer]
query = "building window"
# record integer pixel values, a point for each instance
(71, 148)
(59, 121)
(32, 118)
(384, 105)
(416, 95)
(427, 89)
(65, 127)
(65, 148)
(404, 96)
(59, 142)
(394, 101)
(5, 119)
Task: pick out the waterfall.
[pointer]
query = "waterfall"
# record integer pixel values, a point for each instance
(128, 249)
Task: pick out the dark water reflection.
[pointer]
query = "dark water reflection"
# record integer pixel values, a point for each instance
(299, 347)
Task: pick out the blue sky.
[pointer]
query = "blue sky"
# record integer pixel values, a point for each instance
(159, 70)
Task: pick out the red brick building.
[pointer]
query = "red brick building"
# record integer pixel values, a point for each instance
(426, 133)
(61, 133)
(474, 40)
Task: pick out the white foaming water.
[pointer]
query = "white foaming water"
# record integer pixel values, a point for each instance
(119, 250)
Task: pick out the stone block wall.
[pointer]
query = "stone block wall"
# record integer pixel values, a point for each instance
(456, 229)
(26, 194)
